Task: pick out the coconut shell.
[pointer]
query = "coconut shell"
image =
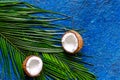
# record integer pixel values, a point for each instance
(24, 66)
(80, 41)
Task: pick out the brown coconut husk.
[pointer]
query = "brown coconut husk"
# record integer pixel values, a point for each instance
(80, 41)
(25, 68)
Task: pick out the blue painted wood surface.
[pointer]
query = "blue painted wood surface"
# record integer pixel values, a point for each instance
(101, 21)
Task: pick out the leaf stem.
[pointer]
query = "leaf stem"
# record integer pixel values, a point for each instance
(11, 43)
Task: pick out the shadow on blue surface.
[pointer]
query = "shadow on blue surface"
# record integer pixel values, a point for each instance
(101, 21)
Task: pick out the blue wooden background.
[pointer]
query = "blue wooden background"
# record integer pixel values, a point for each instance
(101, 21)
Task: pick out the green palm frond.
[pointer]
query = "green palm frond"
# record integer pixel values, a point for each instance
(22, 34)
(10, 54)
(64, 68)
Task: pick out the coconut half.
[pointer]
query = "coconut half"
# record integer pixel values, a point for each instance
(32, 66)
(72, 41)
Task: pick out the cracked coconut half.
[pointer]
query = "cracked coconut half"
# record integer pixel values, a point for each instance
(72, 42)
(32, 66)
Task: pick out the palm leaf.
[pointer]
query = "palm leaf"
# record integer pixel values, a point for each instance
(22, 34)
(27, 37)
(9, 54)
(64, 68)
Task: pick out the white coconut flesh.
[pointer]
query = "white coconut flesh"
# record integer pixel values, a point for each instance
(34, 65)
(70, 42)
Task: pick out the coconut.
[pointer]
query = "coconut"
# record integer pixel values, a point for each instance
(32, 66)
(72, 41)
